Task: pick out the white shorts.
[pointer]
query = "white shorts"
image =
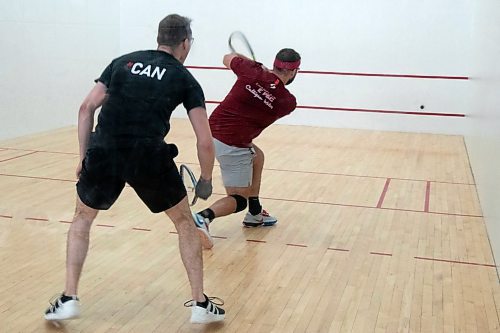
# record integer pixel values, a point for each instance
(236, 164)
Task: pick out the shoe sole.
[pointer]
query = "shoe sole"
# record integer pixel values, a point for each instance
(255, 225)
(206, 240)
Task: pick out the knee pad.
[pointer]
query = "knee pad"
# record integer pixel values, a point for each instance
(241, 202)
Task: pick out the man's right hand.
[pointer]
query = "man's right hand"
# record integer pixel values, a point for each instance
(203, 188)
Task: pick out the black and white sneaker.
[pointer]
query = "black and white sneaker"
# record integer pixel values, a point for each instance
(63, 307)
(206, 312)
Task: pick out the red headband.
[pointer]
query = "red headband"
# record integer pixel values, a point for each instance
(291, 65)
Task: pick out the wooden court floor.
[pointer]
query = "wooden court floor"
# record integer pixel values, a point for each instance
(377, 232)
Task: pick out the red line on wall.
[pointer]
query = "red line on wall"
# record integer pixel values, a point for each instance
(13, 158)
(6, 216)
(406, 76)
(414, 113)
(105, 225)
(427, 196)
(384, 192)
(68, 222)
(456, 261)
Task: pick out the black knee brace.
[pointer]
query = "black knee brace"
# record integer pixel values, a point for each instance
(241, 202)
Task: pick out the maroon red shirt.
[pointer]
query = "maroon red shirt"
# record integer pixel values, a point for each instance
(257, 99)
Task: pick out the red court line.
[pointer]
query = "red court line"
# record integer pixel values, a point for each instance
(6, 216)
(455, 261)
(384, 192)
(256, 241)
(406, 76)
(329, 108)
(361, 206)
(69, 222)
(40, 151)
(292, 200)
(105, 225)
(36, 177)
(427, 196)
(352, 175)
(220, 237)
(173, 232)
(382, 254)
(13, 158)
(273, 169)
(36, 219)
(335, 249)
(296, 245)
(141, 229)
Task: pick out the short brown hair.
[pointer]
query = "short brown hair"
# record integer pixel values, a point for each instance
(173, 30)
(287, 55)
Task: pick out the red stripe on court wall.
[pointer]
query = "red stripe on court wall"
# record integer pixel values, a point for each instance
(405, 76)
(413, 113)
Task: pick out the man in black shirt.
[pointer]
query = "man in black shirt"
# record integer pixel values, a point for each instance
(138, 93)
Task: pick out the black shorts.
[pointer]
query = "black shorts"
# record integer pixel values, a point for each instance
(149, 169)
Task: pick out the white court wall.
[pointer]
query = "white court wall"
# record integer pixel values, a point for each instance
(483, 130)
(404, 37)
(51, 53)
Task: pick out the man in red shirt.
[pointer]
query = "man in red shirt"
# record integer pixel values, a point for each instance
(257, 99)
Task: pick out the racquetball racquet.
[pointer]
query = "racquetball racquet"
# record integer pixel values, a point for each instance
(238, 43)
(189, 180)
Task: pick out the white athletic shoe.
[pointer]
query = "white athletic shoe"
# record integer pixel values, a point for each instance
(202, 225)
(261, 219)
(212, 313)
(61, 310)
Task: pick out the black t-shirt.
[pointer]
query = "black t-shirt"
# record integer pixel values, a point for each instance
(144, 87)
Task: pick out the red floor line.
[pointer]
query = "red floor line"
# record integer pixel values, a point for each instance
(361, 206)
(455, 261)
(256, 241)
(36, 219)
(296, 245)
(173, 232)
(351, 175)
(335, 249)
(39, 151)
(219, 237)
(431, 212)
(272, 169)
(68, 222)
(13, 158)
(382, 254)
(105, 225)
(427, 196)
(141, 229)
(6, 216)
(36, 177)
(384, 192)
(406, 76)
